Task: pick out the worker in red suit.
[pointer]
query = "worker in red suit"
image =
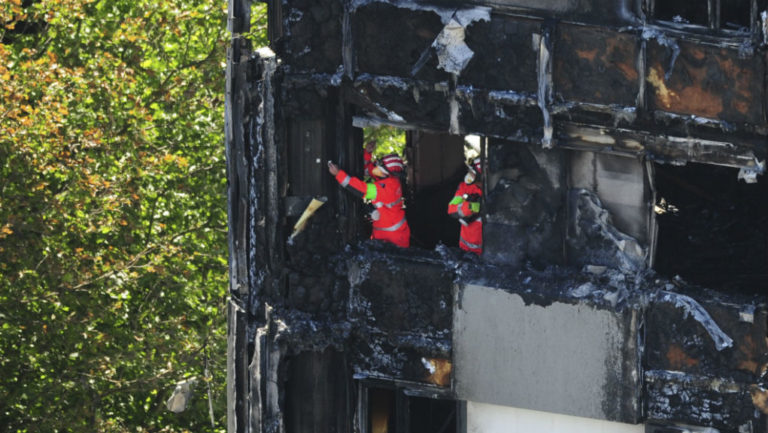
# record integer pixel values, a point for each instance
(385, 192)
(465, 207)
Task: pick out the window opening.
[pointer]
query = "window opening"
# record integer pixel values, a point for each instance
(429, 415)
(381, 410)
(712, 227)
(683, 11)
(437, 164)
(735, 15)
(391, 410)
(740, 16)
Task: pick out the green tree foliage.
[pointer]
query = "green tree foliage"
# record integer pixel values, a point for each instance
(388, 140)
(113, 253)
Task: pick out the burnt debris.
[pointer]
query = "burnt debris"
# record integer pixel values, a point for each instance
(623, 275)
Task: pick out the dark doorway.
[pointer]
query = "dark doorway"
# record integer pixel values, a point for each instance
(435, 168)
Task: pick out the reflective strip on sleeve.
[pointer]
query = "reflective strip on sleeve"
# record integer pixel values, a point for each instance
(345, 182)
(394, 203)
(379, 204)
(456, 200)
(392, 227)
(469, 244)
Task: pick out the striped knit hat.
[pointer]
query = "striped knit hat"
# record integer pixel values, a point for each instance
(391, 163)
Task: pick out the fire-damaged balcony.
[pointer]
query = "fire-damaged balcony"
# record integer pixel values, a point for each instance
(622, 281)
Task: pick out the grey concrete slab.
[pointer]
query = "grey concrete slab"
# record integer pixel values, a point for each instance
(572, 359)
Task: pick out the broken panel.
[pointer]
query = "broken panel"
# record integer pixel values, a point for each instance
(708, 81)
(402, 101)
(509, 115)
(400, 303)
(384, 56)
(524, 204)
(596, 65)
(504, 56)
(594, 241)
(705, 360)
(312, 35)
(401, 295)
(622, 185)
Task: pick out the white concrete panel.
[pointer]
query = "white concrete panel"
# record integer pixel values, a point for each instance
(489, 418)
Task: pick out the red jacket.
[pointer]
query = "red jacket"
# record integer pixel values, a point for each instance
(465, 206)
(386, 195)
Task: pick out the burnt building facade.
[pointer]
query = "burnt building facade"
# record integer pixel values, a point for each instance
(623, 278)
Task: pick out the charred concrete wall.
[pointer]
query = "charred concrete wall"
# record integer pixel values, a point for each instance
(574, 99)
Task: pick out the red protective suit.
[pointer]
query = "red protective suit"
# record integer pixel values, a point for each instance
(386, 195)
(465, 206)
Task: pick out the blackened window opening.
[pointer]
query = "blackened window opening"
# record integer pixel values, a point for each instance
(735, 14)
(712, 228)
(683, 11)
(739, 16)
(391, 410)
(429, 415)
(381, 410)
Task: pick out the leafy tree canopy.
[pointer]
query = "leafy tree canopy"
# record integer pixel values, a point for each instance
(113, 251)
(388, 139)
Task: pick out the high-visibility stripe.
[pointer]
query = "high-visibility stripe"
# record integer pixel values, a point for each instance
(392, 227)
(346, 180)
(379, 204)
(394, 203)
(370, 192)
(469, 244)
(457, 200)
